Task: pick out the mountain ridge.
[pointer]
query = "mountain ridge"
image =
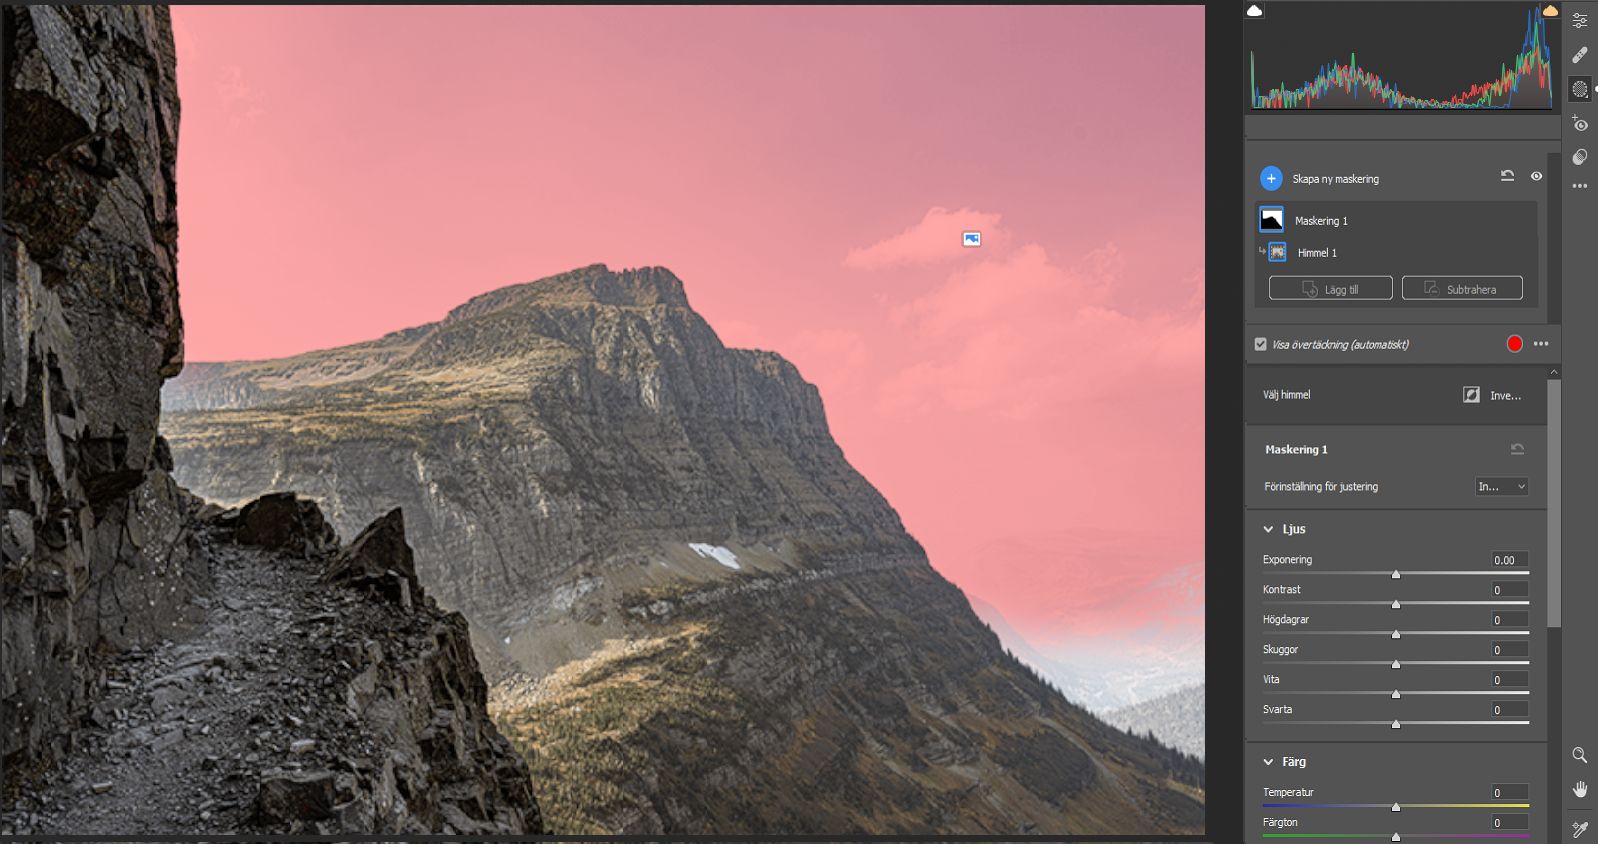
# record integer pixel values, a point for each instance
(594, 284)
(633, 515)
(516, 358)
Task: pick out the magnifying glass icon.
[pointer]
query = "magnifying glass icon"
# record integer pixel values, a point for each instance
(1579, 754)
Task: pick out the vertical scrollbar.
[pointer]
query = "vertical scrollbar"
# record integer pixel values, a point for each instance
(1555, 386)
(1555, 577)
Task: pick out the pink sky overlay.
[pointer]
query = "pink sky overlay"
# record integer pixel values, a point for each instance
(1033, 408)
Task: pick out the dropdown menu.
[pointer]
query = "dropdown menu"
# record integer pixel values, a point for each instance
(1496, 485)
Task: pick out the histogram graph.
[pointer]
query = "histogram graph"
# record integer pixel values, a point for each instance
(1314, 56)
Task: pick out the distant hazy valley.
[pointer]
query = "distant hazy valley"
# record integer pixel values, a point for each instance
(1175, 718)
(1151, 688)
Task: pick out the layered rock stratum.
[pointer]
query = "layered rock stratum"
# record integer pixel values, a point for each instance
(166, 666)
(694, 614)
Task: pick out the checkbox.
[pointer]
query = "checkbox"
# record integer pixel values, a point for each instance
(1260, 344)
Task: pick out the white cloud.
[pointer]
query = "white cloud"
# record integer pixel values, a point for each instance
(934, 239)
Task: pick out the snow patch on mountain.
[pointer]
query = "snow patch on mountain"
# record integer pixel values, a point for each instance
(720, 554)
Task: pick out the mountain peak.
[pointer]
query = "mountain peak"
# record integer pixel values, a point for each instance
(663, 551)
(638, 287)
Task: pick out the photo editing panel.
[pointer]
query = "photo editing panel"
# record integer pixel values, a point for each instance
(1420, 241)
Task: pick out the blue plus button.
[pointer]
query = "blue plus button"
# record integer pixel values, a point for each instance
(1271, 177)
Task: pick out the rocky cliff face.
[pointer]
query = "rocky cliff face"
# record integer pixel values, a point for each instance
(690, 606)
(163, 666)
(96, 555)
